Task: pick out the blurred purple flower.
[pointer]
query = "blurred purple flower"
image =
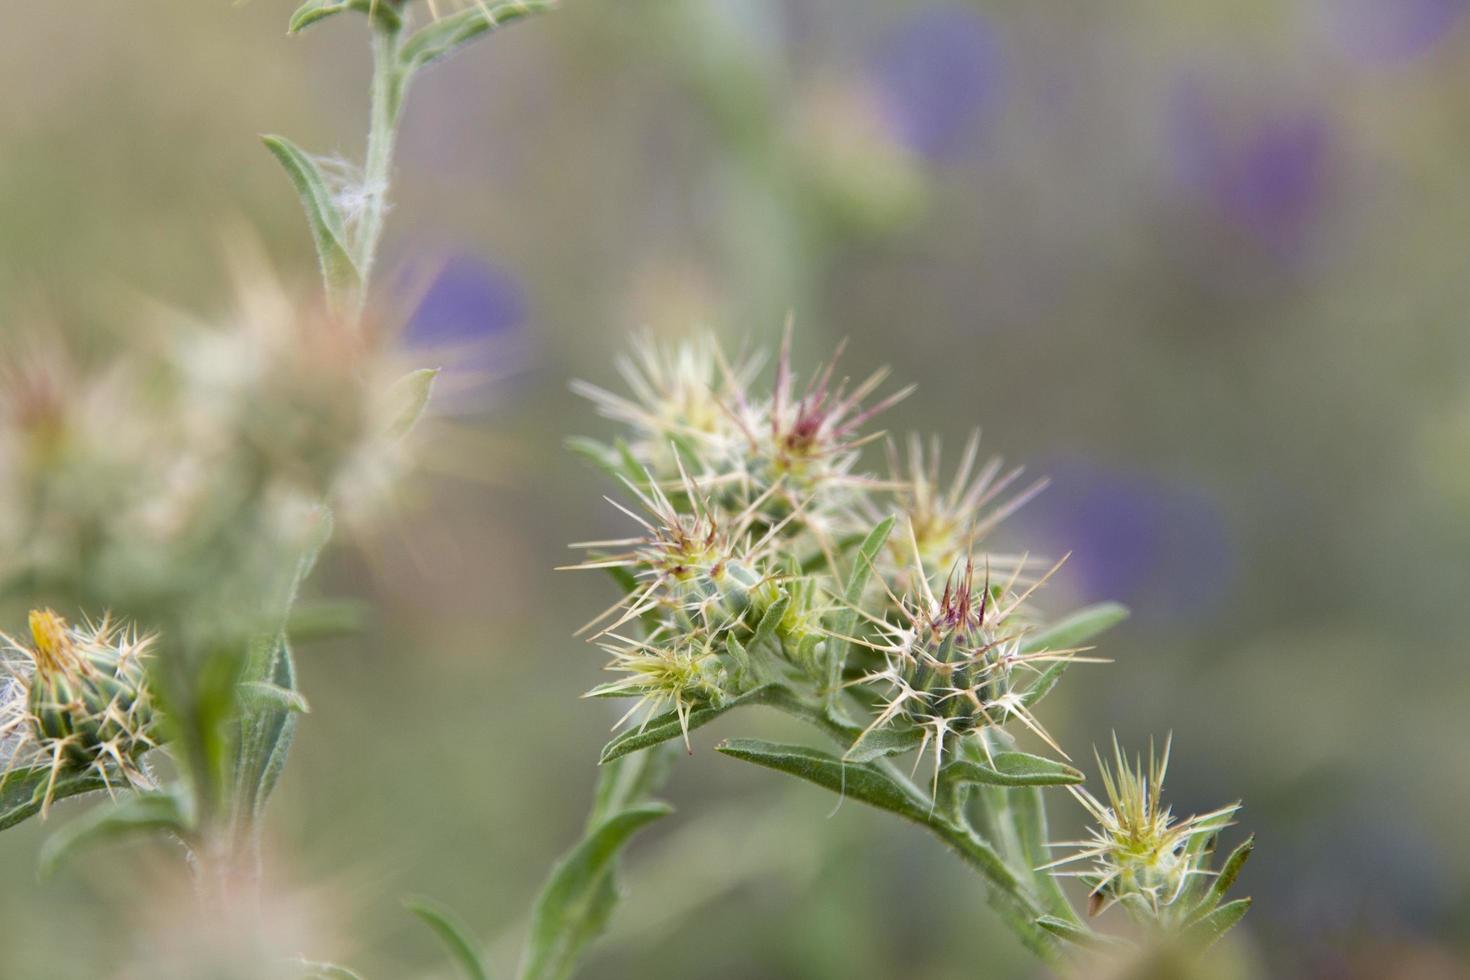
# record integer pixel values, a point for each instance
(469, 320)
(939, 76)
(1162, 547)
(1392, 31)
(1268, 175)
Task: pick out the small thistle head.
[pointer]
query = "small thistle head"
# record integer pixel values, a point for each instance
(955, 662)
(948, 521)
(678, 673)
(87, 705)
(809, 442)
(1141, 856)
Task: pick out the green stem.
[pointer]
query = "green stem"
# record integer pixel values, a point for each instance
(390, 82)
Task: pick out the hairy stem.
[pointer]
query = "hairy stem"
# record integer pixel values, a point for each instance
(390, 80)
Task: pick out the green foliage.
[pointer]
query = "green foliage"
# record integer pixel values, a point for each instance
(23, 792)
(339, 270)
(447, 34)
(579, 896)
(135, 814)
(462, 948)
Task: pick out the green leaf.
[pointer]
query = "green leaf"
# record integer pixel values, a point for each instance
(883, 742)
(858, 781)
(1076, 934)
(410, 396)
(1012, 769)
(453, 934)
(1205, 931)
(339, 272)
(314, 10)
(23, 791)
(256, 694)
(1226, 878)
(1076, 629)
(141, 813)
(326, 619)
(574, 907)
(267, 727)
(847, 620)
(766, 629)
(1072, 631)
(667, 725)
(446, 34)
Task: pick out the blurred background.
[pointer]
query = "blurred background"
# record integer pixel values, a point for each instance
(1204, 264)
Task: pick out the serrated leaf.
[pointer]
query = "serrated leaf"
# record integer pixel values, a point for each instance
(314, 10)
(574, 907)
(462, 949)
(339, 271)
(1012, 769)
(1205, 931)
(409, 396)
(23, 791)
(857, 781)
(1229, 871)
(140, 813)
(447, 34)
(846, 622)
(883, 742)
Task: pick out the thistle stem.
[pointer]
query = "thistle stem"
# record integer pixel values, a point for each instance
(390, 80)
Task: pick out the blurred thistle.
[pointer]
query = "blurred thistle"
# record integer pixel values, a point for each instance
(770, 567)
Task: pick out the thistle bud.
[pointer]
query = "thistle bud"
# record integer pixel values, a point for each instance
(87, 702)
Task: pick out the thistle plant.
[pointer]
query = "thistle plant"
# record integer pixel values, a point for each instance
(767, 566)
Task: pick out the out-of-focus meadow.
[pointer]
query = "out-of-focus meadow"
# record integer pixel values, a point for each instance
(1204, 264)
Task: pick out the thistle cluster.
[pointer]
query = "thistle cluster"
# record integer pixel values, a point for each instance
(77, 701)
(751, 509)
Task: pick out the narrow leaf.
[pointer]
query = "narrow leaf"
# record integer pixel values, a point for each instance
(141, 813)
(667, 725)
(858, 781)
(446, 34)
(462, 949)
(23, 791)
(339, 272)
(1078, 935)
(410, 396)
(1226, 878)
(862, 571)
(1207, 930)
(1076, 629)
(883, 742)
(256, 694)
(574, 907)
(1012, 769)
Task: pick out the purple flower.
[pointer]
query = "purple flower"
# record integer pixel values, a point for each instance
(1160, 546)
(1392, 31)
(1265, 172)
(939, 76)
(470, 321)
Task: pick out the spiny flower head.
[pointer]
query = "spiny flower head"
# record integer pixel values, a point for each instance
(948, 521)
(693, 559)
(681, 397)
(809, 441)
(86, 697)
(665, 673)
(1141, 856)
(955, 663)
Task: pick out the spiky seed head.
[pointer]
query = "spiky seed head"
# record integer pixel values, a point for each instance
(1140, 855)
(678, 674)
